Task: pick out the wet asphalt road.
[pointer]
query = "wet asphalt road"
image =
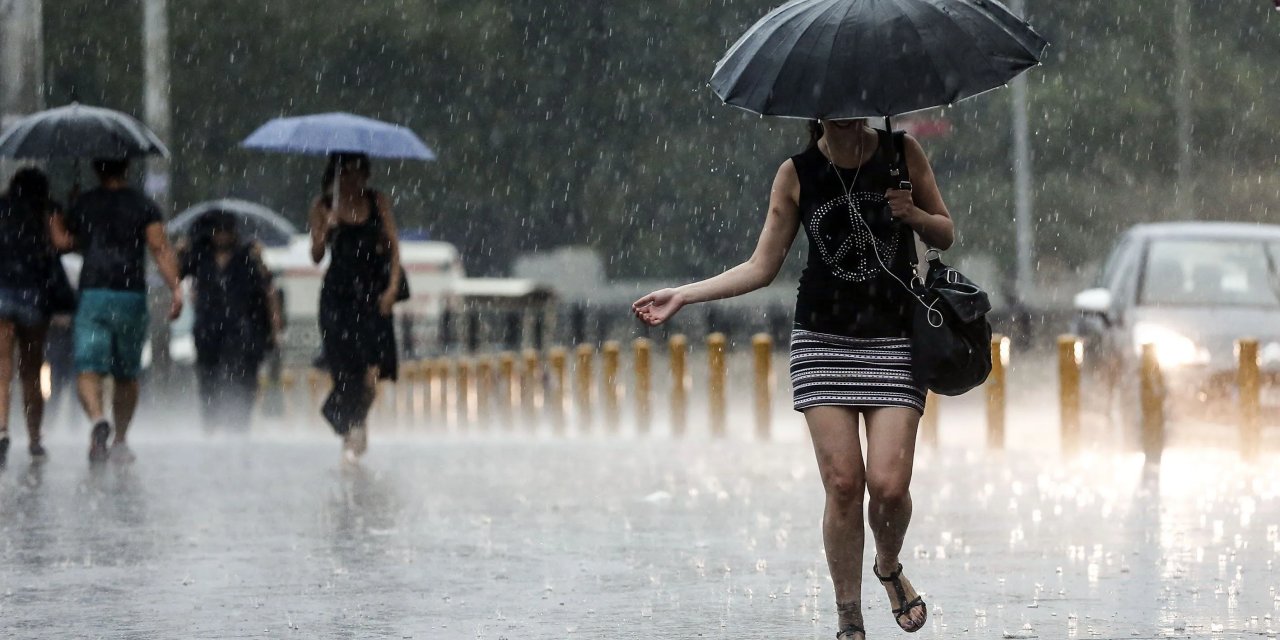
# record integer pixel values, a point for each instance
(518, 536)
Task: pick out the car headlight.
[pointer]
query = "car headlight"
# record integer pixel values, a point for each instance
(1172, 348)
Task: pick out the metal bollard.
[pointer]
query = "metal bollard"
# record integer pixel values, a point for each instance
(641, 350)
(1070, 357)
(1152, 398)
(679, 347)
(610, 357)
(584, 355)
(558, 358)
(716, 382)
(996, 399)
(929, 420)
(762, 347)
(1250, 382)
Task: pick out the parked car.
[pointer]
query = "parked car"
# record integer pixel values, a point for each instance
(1191, 289)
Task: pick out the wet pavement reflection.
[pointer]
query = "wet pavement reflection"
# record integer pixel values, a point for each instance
(524, 537)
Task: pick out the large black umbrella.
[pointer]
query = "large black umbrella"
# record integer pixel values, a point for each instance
(79, 131)
(863, 58)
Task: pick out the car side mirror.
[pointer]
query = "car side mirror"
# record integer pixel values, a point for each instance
(1094, 301)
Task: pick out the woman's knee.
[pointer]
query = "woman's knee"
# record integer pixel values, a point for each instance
(889, 487)
(845, 487)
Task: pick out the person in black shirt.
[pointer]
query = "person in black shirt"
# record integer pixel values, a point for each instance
(851, 346)
(29, 235)
(114, 225)
(237, 317)
(359, 290)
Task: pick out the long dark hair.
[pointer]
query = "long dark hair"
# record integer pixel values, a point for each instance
(30, 186)
(363, 166)
(815, 132)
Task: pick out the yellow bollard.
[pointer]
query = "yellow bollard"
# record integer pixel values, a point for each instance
(287, 382)
(610, 357)
(466, 397)
(762, 347)
(530, 385)
(582, 389)
(484, 389)
(441, 416)
(1070, 357)
(679, 347)
(929, 420)
(1152, 398)
(1249, 381)
(510, 387)
(641, 350)
(558, 358)
(313, 390)
(716, 382)
(996, 392)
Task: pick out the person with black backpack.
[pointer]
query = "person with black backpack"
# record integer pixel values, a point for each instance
(851, 346)
(237, 317)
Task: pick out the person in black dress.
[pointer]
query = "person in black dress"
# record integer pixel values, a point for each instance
(360, 288)
(237, 317)
(851, 345)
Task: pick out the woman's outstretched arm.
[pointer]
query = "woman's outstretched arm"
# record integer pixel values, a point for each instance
(780, 227)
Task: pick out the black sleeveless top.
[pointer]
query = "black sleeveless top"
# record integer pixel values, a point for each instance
(26, 254)
(231, 300)
(843, 289)
(358, 259)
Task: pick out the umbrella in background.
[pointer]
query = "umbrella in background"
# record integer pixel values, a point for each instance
(328, 133)
(253, 220)
(79, 131)
(863, 58)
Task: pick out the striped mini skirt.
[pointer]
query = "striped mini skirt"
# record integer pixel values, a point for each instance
(828, 369)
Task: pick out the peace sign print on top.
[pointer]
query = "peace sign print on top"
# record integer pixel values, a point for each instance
(844, 241)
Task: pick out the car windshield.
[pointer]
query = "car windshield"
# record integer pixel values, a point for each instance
(1209, 273)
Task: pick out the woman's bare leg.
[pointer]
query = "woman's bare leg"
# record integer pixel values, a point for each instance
(30, 360)
(891, 447)
(834, 431)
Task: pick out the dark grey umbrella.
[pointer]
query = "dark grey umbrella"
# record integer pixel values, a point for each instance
(864, 58)
(254, 221)
(79, 131)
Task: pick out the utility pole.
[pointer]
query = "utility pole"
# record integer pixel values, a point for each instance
(1024, 225)
(155, 37)
(155, 32)
(21, 61)
(1184, 188)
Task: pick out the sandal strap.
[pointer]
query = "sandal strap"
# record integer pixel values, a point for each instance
(906, 609)
(850, 629)
(892, 577)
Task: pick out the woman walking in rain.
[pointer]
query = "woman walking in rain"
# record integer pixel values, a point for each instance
(237, 317)
(30, 229)
(360, 288)
(851, 345)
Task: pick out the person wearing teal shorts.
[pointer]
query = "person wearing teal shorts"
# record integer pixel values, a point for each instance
(113, 225)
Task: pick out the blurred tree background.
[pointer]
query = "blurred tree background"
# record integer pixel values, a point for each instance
(590, 122)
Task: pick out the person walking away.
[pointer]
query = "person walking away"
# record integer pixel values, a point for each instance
(237, 317)
(851, 345)
(360, 288)
(30, 233)
(113, 226)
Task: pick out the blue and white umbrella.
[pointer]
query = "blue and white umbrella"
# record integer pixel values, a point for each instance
(329, 133)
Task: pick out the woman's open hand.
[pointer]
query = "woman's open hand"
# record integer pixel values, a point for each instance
(658, 307)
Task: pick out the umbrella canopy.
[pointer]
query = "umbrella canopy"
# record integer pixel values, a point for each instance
(863, 58)
(79, 131)
(253, 221)
(328, 133)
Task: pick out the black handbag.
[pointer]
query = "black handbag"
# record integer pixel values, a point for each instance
(951, 337)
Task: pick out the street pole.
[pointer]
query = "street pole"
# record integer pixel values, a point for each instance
(1024, 226)
(21, 62)
(155, 36)
(1184, 188)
